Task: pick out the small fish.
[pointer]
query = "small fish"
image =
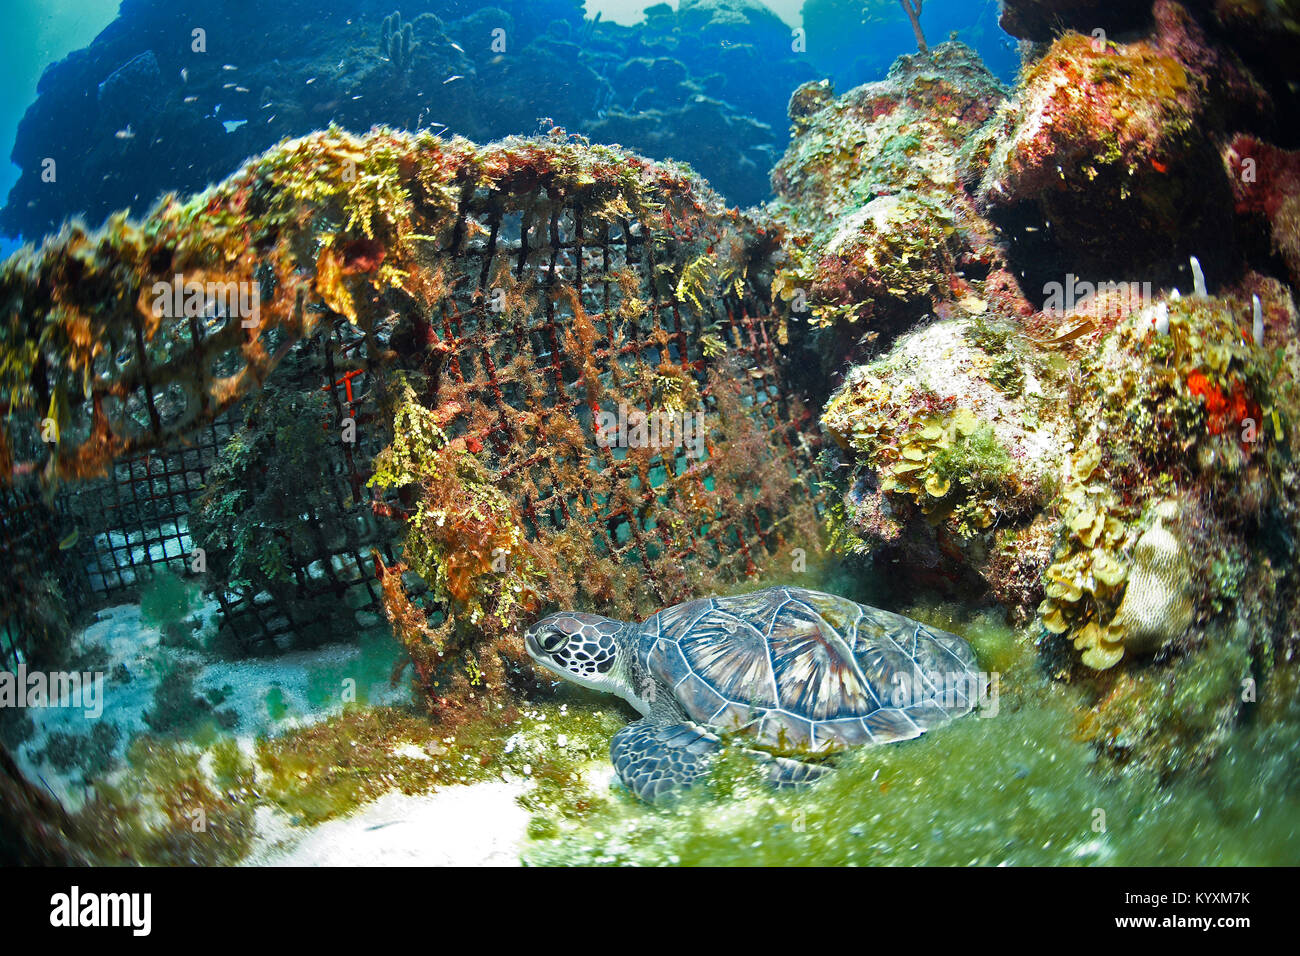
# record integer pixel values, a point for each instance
(311, 81)
(127, 133)
(185, 76)
(457, 46)
(228, 86)
(452, 79)
(227, 66)
(70, 542)
(357, 97)
(191, 99)
(241, 89)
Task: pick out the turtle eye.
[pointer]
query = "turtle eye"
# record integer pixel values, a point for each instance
(552, 641)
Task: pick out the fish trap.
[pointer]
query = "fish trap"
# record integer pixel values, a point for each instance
(401, 372)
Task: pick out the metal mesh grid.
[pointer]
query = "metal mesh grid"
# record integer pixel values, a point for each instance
(138, 517)
(624, 284)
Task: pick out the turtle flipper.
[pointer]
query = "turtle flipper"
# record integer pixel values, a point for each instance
(656, 760)
(785, 772)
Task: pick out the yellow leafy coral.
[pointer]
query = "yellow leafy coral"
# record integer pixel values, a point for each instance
(1086, 580)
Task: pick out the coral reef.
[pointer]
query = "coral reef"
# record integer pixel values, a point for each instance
(1080, 462)
(1266, 186)
(1126, 512)
(881, 229)
(1191, 415)
(949, 470)
(1157, 605)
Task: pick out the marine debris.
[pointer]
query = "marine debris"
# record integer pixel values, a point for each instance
(495, 301)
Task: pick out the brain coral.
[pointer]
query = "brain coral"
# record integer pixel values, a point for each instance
(1157, 605)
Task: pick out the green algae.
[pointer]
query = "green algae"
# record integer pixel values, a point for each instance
(179, 710)
(168, 599)
(1015, 789)
(334, 767)
(166, 810)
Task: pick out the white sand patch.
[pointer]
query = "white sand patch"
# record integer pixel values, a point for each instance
(480, 824)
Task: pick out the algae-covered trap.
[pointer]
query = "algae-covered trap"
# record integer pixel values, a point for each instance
(294, 455)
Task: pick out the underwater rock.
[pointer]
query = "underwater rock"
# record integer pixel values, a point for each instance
(1157, 605)
(1266, 185)
(870, 191)
(969, 436)
(807, 101)
(892, 253)
(952, 465)
(132, 90)
(1265, 35)
(1121, 483)
(1195, 409)
(1112, 141)
(37, 830)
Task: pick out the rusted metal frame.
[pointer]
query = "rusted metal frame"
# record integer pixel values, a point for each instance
(578, 239)
(489, 256)
(634, 523)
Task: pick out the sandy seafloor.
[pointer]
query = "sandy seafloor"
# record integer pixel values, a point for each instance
(478, 824)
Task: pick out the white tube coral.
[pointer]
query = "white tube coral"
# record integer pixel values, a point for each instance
(1198, 279)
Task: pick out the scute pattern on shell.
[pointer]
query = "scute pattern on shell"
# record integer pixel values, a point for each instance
(800, 671)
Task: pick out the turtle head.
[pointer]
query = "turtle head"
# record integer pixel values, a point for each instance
(585, 648)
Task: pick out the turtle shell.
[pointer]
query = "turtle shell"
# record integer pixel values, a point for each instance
(800, 671)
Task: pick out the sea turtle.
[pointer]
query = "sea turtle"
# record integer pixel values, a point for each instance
(795, 675)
